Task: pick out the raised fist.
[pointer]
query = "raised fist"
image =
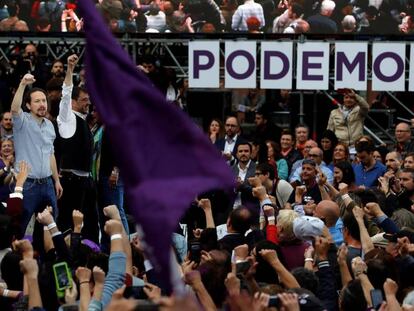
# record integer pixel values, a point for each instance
(27, 79)
(72, 61)
(113, 227)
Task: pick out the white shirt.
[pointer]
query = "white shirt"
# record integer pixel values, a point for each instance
(242, 176)
(66, 120)
(229, 144)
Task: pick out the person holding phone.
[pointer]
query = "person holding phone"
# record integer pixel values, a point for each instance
(347, 121)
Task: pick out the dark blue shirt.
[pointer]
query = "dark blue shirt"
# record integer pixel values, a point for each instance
(369, 178)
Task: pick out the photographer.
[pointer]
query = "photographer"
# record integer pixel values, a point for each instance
(30, 62)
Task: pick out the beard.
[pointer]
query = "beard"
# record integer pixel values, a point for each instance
(41, 113)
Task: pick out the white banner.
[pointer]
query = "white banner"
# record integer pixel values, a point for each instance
(388, 66)
(312, 72)
(240, 65)
(351, 65)
(276, 65)
(204, 64)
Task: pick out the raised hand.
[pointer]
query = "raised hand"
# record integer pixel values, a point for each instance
(21, 176)
(343, 188)
(29, 267)
(27, 79)
(112, 212)
(83, 274)
(205, 204)
(72, 61)
(77, 218)
(45, 218)
(113, 227)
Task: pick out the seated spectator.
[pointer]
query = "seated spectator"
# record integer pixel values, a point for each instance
(155, 18)
(13, 22)
(253, 25)
(243, 12)
(322, 22)
(349, 24)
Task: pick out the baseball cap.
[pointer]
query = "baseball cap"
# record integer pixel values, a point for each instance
(307, 227)
(399, 235)
(307, 300)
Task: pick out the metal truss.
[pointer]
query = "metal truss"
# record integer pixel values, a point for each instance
(172, 52)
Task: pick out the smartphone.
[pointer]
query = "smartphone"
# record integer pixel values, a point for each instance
(195, 251)
(376, 297)
(274, 301)
(136, 292)
(242, 267)
(63, 276)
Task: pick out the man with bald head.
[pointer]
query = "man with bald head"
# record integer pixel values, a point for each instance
(404, 143)
(329, 211)
(393, 162)
(228, 144)
(315, 154)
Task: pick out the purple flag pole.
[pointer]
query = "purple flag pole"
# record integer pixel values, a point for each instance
(165, 160)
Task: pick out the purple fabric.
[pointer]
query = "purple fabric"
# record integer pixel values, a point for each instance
(164, 158)
(92, 245)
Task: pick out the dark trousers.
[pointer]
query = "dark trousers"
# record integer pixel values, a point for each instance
(78, 193)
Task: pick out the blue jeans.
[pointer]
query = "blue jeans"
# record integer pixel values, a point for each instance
(110, 196)
(36, 196)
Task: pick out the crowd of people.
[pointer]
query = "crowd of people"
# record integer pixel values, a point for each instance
(312, 225)
(208, 16)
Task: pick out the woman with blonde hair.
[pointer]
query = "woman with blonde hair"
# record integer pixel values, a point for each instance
(292, 248)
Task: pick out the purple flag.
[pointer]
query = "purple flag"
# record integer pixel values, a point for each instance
(164, 158)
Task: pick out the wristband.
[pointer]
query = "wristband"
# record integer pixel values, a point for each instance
(271, 218)
(5, 292)
(358, 273)
(45, 228)
(17, 188)
(56, 234)
(308, 259)
(345, 196)
(51, 226)
(262, 219)
(116, 236)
